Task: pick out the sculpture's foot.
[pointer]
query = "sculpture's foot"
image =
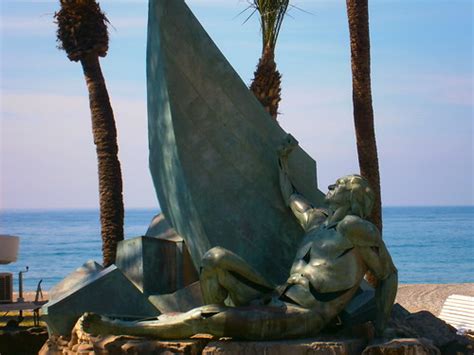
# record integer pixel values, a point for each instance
(95, 324)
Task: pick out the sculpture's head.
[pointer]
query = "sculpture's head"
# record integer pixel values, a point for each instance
(354, 192)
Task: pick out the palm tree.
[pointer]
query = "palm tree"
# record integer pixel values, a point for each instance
(358, 15)
(266, 84)
(82, 33)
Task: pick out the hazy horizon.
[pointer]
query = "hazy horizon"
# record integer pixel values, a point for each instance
(158, 210)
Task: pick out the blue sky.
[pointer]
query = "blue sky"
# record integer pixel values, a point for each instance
(422, 78)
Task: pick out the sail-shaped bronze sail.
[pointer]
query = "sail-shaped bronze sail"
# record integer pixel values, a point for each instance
(213, 149)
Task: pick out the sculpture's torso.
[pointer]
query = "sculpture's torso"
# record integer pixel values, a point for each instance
(327, 269)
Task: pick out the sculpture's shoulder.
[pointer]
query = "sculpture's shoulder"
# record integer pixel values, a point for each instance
(359, 231)
(316, 217)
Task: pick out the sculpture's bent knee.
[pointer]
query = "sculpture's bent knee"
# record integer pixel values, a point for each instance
(213, 257)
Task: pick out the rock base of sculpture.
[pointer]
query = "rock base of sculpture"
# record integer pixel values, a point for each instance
(334, 346)
(115, 345)
(121, 345)
(425, 325)
(81, 343)
(403, 346)
(411, 337)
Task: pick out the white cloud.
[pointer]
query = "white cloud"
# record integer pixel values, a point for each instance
(41, 25)
(48, 158)
(28, 24)
(432, 88)
(120, 23)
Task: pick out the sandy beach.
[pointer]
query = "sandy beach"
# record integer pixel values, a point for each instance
(430, 297)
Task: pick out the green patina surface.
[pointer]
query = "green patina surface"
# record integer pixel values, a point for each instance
(105, 291)
(213, 149)
(155, 265)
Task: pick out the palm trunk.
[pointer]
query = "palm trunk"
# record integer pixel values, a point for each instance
(267, 81)
(358, 14)
(110, 177)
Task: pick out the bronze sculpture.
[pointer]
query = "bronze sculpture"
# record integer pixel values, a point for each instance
(339, 247)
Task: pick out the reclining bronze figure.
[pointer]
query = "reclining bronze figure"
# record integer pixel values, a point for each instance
(339, 247)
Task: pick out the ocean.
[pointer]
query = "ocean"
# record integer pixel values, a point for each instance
(428, 244)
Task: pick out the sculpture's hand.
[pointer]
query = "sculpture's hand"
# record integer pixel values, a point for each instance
(287, 146)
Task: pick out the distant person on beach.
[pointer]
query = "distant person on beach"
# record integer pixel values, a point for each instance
(339, 247)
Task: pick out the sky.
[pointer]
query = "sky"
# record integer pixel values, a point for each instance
(422, 82)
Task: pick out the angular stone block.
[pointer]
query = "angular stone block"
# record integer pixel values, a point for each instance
(161, 229)
(182, 300)
(284, 347)
(108, 292)
(80, 275)
(158, 263)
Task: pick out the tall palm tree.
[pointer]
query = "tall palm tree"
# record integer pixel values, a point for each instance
(82, 33)
(266, 84)
(358, 15)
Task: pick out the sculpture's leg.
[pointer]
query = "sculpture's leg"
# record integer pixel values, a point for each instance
(168, 327)
(224, 273)
(252, 323)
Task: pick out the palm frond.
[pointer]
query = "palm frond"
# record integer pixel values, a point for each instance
(272, 13)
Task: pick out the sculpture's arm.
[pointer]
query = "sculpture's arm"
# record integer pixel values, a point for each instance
(367, 238)
(381, 265)
(299, 205)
